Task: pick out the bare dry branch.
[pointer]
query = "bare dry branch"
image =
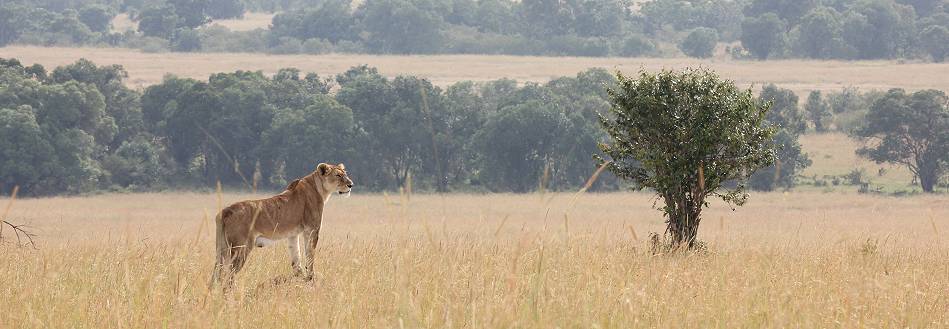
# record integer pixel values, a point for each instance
(21, 234)
(20, 231)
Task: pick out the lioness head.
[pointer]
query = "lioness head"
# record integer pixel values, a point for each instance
(335, 178)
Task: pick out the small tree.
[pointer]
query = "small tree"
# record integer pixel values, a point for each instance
(158, 21)
(817, 111)
(935, 40)
(819, 33)
(96, 16)
(763, 36)
(686, 135)
(789, 159)
(699, 43)
(911, 130)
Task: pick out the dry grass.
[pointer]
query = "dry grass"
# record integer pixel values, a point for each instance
(251, 21)
(122, 23)
(800, 260)
(798, 75)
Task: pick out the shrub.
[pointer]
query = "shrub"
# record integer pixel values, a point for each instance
(699, 43)
(637, 46)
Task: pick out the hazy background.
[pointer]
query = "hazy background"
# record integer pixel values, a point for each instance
(117, 121)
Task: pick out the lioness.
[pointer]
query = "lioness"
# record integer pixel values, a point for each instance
(295, 214)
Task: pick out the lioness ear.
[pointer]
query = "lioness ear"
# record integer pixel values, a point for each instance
(341, 167)
(323, 169)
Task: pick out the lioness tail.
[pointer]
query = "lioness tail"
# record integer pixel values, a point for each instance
(223, 252)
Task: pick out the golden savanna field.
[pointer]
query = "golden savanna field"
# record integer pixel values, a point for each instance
(801, 76)
(814, 257)
(802, 260)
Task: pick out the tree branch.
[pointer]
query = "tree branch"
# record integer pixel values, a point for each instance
(21, 233)
(19, 230)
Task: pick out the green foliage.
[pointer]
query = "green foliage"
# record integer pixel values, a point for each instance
(788, 119)
(56, 131)
(784, 112)
(601, 18)
(699, 43)
(224, 9)
(550, 128)
(687, 135)
(923, 7)
(12, 23)
(911, 130)
(496, 16)
(516, 144)
(331, 20)
(636, 46)
(121, 103)
(763, 36)
(572, 45)
(878, 29)
(818, 111)
(26, 157)
(789, 10)
(192, 13)
(27, 24)
(97, 17)
(844, 29)
(159, 20)
(543, 18)
(290, 141)
(164, 19)
(819, 34)
(683, 15)
(186, 40)
(790, 161)
(137, 164)
(91, 132)
(401, 27)
(935, 40)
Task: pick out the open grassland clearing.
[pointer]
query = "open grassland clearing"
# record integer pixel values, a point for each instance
(250, 21)
(806, 260)
(834, 156)
(798, 75)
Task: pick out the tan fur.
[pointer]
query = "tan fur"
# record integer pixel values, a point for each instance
(295, 214)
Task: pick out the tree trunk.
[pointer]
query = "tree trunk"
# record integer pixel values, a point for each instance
(682, 225)
(928, 175)
(928, 182)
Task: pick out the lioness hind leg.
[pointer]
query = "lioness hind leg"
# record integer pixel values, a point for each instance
(312, 237)
(239, 255)
(294, 246)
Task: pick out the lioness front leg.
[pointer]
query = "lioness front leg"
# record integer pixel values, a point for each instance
(295, 263)
(312, 237)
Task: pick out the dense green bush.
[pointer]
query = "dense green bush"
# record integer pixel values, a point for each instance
(699, 43)
(764, 36)
(636, 46)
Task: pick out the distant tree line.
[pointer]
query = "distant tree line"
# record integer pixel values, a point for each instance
(752, 29)
(79, 129)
